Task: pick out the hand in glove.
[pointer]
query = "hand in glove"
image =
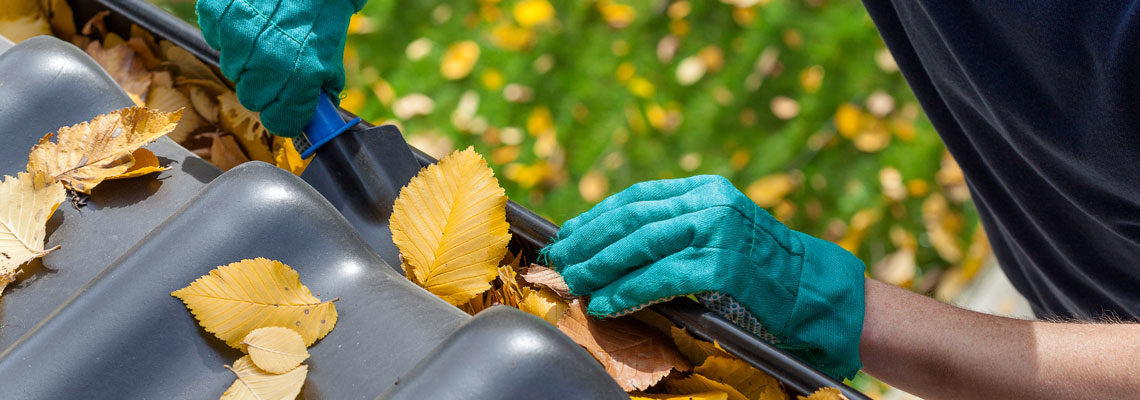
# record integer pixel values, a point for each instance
(280, 53)
(662, 239)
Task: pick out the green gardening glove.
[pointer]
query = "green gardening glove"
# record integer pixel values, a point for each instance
(662, 239)
(280, 53)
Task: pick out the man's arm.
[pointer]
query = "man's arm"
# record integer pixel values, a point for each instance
(938, 351)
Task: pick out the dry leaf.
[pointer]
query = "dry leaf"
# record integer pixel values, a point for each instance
(89, 152)
(634, 354)
(827, 393)
(695, 350)
(450, 225)
(275, 349)
(714, 395)
(751, 382)
(62, 19)
(546, 277)
(22, 19)
(205, 104)
(225, 153)
(126, 67)
(477, 304)
(145, 163)
(697, 383)
(543, 303)
(238, 120)
(187, 65)
(168, 99)
(254, 384)
(235, 299)
(26, 203)
(287, 158)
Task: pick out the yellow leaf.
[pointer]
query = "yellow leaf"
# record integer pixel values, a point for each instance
(511, 37)
(287, 158)
(89, 152)
(145, 163)
(539, 121)
(233, 300)
(450, 225)
(238, 120)
(769, 190)
(633, 353)
(169, 99)
(695, 350)
(827, 393)
(255, 384)
(126, 67)
(275, 349)
(714, 395)
(847, 120)
(697, 383)
(508, 293)
(478, 303)
(543, 303)
(749, 381)
(26, 203)
(61, 17)
(533, 12)
(616, 15)
(22, 19)
(459, 60)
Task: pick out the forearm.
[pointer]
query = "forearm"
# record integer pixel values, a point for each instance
(939, 351)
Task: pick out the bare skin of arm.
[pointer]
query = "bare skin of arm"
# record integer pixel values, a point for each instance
(938, 351)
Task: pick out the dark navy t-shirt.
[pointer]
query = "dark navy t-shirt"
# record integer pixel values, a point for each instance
(1039, 102)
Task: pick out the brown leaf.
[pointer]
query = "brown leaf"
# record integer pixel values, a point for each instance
(635, 355)
(187, 65)
(546, 277)
(87, 153)
(225, 153)
(126, 67)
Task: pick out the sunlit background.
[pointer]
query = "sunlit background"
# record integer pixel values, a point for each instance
(798, 102)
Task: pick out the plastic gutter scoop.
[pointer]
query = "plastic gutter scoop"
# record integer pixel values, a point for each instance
(327, 124)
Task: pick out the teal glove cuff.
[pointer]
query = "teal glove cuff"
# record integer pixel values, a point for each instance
(280, 54)
(659, 240)
(828, 313)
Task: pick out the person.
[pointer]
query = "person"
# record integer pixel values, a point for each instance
(1039, 102)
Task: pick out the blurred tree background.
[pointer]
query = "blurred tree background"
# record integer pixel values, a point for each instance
(798, 102)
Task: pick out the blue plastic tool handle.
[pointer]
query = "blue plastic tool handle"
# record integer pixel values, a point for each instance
(326, 125)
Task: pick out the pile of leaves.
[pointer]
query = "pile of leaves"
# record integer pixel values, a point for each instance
(450, 226)
(260, 307)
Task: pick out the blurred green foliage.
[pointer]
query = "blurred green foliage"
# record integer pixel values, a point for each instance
(796, 101)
